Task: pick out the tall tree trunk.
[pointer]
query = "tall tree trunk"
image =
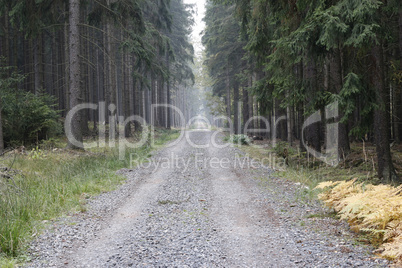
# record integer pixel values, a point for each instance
(399, 90)
(251, 103)
(228, 97)
(60, 77)
(126, 92)
(138, 99)
(111, 72)
(159, 89)
(131, 88)
(54, 62)
(313, 130)
(27, 47)
(75, 92)
(168, 97)
(289, 121)
(1, 130)
(236, 100)
(300, 107)
(154, 100)
(386, 170)
(400, 34)
(38, 66)
(7, 38)
(343, 136)
(86, 86)
(66, 67)
(396, 107)
(245, 108)
(300, 119)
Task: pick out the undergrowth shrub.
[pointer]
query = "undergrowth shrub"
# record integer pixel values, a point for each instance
(240, 139)
(29, 118)
(376, 210)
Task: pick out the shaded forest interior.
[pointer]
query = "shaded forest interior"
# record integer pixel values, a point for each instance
(288, 61)
(126, 53)
(281, 60)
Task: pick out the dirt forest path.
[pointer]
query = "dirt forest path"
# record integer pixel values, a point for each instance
(201, 207)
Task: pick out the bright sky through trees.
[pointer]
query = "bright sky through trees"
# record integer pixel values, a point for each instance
(199, 24)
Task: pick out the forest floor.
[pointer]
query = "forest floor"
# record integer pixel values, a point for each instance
(203, 207)
(360, 163)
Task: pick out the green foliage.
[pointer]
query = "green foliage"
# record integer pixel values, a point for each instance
(29, 118)
(283, 149)
(240, 139)
(215, 104)
(36, 153)
(353, 92)
(224, 48)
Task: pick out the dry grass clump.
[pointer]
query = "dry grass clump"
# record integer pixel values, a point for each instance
(374, 209)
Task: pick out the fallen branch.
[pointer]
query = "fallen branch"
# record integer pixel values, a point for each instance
(7, 151)
(4, 175)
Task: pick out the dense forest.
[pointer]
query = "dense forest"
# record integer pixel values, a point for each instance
(284, 60)
(59, 54)
(280, 60)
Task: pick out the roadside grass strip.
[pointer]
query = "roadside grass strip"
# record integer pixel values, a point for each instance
(50, 183)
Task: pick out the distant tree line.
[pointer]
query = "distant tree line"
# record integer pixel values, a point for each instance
(130, 53)
(294, 57)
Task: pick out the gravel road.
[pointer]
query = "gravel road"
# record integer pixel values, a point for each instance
(201, 207)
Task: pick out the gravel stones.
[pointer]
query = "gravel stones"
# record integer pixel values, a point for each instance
(200, 216)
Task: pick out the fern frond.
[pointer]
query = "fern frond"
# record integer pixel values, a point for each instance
(376, 209)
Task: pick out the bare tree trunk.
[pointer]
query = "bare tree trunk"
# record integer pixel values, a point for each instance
(7, 51)
(251, 110)
(84, 77)
(343, 135)
(245, 109)
(154, 100)
(159, 88)
(111, 89)
(313, 130)
(300, 111)
(27, 46)
(289, 121)
(60, 75)
(126, 96)
(1, 130)
(168, 97)
(54, 62)
(131, 88)
(75, 92)
(66, 68)
(386, 170)
(228, 97)
(138, 99)
(398, 124)
(236, 100)
(38, 66)
(396, 107)
(300, 108)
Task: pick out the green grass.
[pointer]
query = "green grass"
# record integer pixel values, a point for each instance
(310, 172)
(322, 215)
(50, 183)
(7, 263)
